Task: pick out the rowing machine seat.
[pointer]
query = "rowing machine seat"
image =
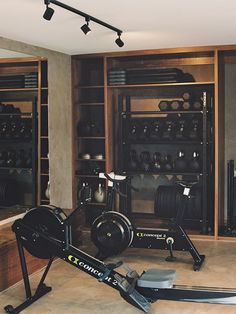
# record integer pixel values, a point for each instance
(157, 279)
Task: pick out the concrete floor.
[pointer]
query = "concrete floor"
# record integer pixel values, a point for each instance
(76, 292)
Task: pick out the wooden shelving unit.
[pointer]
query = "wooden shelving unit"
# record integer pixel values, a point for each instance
(205, 64)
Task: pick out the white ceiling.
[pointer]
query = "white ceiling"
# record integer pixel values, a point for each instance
(146, 24)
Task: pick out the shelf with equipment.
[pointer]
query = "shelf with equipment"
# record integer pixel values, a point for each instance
(90, 136)
(20, 121)
(159, 147)
(164, 107)
(43, 155)
(152, 76)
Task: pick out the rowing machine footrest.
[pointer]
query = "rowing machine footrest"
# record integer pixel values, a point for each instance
(157, 278)
(109, 268)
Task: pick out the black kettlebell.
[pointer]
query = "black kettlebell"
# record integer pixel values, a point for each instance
(85, 192)
(157, 162)
(144, 132)
(180, 130)
(133, 163)
(20, 158)
(168, 130)
(27, 159)
(3, 158)
(145, 161)
(155, 131)
(180, 163)
(168, 163)
(5, 129)
(11, 158)
(193, 132)
(195, 163)
(133, 131)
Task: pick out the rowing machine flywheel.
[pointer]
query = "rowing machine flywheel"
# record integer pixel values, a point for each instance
(46, 220)
(112, 233)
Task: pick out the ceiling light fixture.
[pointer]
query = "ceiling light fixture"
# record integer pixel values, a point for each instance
(48, 12)
(85, 28)
(118, 41)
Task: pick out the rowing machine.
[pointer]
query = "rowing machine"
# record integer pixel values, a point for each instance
(45, 233)
(112, 232)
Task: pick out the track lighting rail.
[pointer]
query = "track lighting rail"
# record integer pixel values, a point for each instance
(49, 13)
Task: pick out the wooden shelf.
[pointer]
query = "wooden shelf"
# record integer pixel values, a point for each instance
(19, 89)
(89, 86)
(91, 104)
(162, 85)
(91, 137)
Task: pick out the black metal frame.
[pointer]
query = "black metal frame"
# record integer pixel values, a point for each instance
(124, 111)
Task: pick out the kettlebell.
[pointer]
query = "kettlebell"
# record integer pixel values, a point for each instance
(11, 158)
(168, 163)
(47, 191)
(195, 164)
(3, 158)
(157, 163)
(133, 163)
(155, 132)
(145, 161)
(20, 158)
(85, 193)
(144, 132)
(100, 194)
(193, 133)
(28, 159)
(180, 130)
(133, 131)
(180, 162)
(168, 130)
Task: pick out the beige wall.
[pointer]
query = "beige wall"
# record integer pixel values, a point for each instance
(60, 114)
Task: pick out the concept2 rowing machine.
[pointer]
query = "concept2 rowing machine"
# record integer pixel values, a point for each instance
(45, 233)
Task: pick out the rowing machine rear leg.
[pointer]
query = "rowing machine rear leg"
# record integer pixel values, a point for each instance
(171, 257)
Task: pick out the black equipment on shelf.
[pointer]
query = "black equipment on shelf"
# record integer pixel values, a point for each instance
(45, 232)
(9, 192)
(231, 198)
(112, 232)
(171, 132)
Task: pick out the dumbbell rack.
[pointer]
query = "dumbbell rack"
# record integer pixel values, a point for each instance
(205, 146)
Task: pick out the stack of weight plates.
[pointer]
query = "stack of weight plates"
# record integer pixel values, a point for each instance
(117, 77)
(168, 199)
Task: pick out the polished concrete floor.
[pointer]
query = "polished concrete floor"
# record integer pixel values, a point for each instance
(75, 292)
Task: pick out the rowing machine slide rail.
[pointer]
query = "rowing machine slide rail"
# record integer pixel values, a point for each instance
(45, 233)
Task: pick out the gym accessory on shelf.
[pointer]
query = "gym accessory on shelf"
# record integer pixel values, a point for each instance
(45, 232)
(112, 232)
